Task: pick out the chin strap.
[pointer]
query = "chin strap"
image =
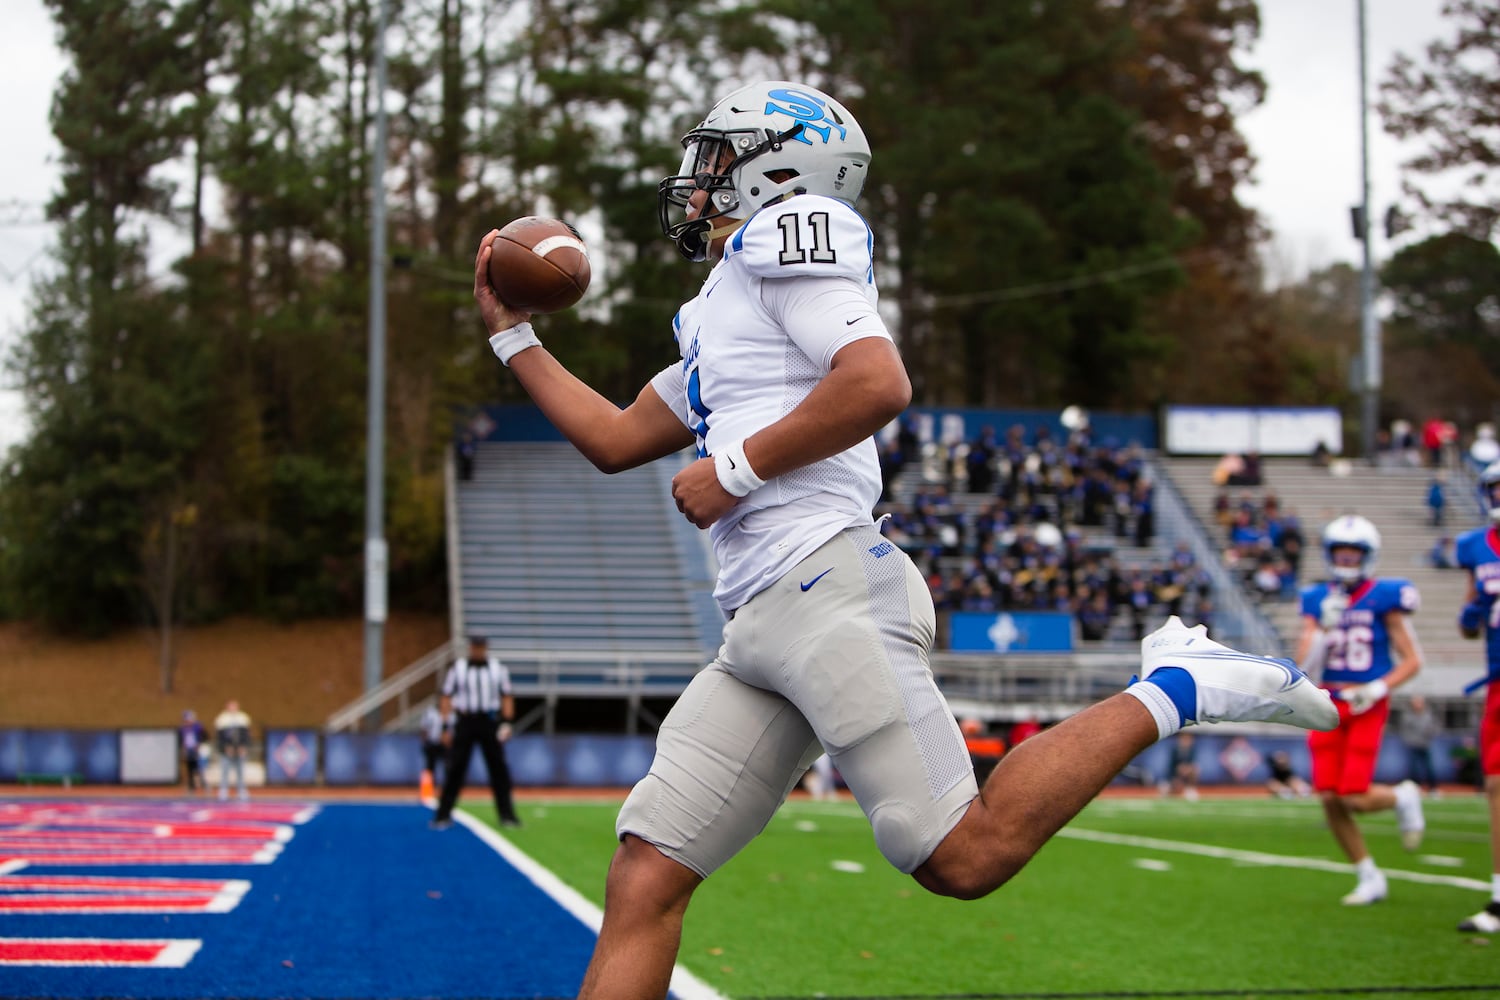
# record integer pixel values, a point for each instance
(723, 230)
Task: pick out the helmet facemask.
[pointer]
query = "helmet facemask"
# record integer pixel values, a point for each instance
(714, 160)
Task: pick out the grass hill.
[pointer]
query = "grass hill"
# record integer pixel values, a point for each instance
(285, 675)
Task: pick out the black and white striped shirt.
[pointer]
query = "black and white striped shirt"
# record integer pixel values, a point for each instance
(477, 687)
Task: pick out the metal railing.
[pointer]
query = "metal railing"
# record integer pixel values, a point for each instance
(398, 687)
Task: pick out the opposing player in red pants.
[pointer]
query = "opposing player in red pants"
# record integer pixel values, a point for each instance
(1478, 552)
(1355, 629)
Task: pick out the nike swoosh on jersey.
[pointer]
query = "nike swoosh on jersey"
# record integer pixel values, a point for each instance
(851, 322)
(809, 584)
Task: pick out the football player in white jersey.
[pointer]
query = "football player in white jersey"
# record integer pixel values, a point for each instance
(784, 371)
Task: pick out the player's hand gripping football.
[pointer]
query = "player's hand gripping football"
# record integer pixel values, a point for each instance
(497, 315)
(699, 494)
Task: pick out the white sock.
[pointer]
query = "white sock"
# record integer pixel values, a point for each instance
(1365, 868)
(1168, 719)
(1495, 888)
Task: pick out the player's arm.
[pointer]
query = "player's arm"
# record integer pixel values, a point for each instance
(1312, 646)
(1471, 618)
(865, 389)
(613, 439)
(1404, 648)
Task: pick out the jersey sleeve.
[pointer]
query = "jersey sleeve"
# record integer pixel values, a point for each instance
(806, 236)
(822, 315)
(671, 385)
(1401, 595)
(1311, 599)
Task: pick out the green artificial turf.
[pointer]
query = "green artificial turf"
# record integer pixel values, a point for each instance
(1128, 900)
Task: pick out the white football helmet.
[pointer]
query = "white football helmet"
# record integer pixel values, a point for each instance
(751, 134)
(1489, 490)
(1351, 531)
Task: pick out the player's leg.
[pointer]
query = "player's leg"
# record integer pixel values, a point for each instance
(458, 769)
(1343, 772)
(499, 772)
(1487, 920)
(1365, 734)
(645, 898)
(1042, 784)
(726, 757)
(1033, 792)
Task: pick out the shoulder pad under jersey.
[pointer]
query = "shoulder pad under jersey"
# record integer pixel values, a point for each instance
(805, 236)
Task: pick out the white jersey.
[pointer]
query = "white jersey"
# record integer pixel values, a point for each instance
(795, 285)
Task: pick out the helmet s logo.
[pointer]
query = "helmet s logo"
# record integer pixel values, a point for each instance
(807, 109)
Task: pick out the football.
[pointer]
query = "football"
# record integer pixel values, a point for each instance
(539, 265)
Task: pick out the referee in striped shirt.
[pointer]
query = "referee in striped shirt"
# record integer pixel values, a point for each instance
(479, 685)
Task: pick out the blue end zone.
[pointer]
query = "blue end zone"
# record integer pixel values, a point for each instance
(363, 901)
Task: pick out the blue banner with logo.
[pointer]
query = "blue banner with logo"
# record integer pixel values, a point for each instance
(1010, 632)
(291, 756)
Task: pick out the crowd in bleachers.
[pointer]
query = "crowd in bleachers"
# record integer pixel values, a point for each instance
(1264, 543)
(1025, 522)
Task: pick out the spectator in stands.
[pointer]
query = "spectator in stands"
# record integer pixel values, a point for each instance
(981, 461)
(1265, 579)
(1246, 541)
(1441, 556)
(1484, 449)
(1203, 614)
(1144, 511)
(1094, 616)
(1223, 510)
(1437, 435)
(1250, 474)
(465, 449)
(1437, 497)
(1403, 443)
(1321, 455)
(232, 734)
(1229, 470)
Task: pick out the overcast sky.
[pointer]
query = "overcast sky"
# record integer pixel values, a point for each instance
(1306, 137)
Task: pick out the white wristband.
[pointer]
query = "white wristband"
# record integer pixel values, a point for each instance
(1377, 689)
(735, 474)
(508, 343)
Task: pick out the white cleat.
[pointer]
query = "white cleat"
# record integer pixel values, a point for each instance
(1483, 922)
(1369, 890)
(1237, 687)
(1409, 818)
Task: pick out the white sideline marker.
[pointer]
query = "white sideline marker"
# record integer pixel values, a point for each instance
(685, 985)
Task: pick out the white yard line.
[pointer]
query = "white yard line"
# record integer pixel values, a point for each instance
(1262, 858)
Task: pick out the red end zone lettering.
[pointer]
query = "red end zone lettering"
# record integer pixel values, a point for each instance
(83, 894)
(160, 954)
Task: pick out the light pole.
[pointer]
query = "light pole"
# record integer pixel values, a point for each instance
(375, 546)
(1369, 323)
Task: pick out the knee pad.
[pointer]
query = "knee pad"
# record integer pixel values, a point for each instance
(900, 835)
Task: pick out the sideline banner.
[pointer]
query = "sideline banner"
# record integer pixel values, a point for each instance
(1010, 632)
